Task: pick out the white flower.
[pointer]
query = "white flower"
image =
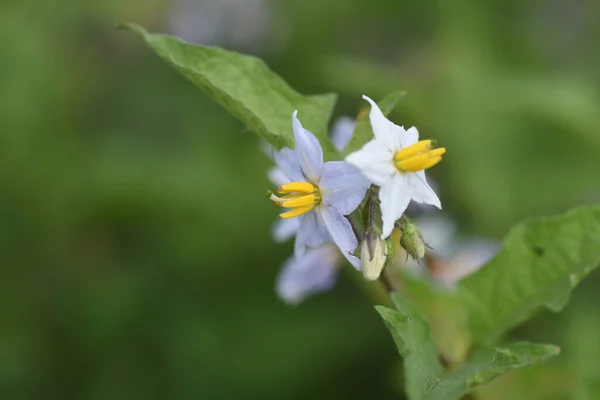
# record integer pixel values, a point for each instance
(316, 271)
(396, 161)
(319, 194)
(452, 258)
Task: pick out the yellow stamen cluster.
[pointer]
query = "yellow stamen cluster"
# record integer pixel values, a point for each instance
(418, 156)
(301, 197)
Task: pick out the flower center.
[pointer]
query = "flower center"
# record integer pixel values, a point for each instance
(299, 197)
(418, 156)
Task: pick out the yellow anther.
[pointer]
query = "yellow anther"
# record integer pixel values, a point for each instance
(302, 201)
(431, 162)
(411, 150)
(302, 187)
(413, 163)
(418, 157)
(437, 152)
(296, 211)
(300, 197)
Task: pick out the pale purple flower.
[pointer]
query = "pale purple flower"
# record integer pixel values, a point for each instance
(316, 271)
(341, 133)
(396, 161)
(336, 189)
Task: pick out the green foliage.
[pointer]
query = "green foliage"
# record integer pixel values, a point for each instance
(121, 190)
(489, 364)
(412, 335)
(575, 375)
(363, 131)
(540, 262)
(424, 372)
(247, 88)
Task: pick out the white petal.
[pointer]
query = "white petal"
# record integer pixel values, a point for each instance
(315, 272)
(375, 161)
(277, 176)
(311, 233)
(287, 161)
(421, 191)
(308, 150)
(342, 131)
(395, 196)
(423, 208)
(341, 233)
(342, 186)
(284, 229)
(409, 137)
(385, 131)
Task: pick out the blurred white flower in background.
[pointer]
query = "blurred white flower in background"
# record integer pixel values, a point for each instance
(450, 258)
(241, 24)
(471, 256)
(341, 132)
(438, 232)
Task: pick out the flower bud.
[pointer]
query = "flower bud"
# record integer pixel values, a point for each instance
(373, 255)
(412, 241)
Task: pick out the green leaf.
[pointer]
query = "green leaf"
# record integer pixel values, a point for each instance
(424, 372)
(412, 335)
(363, 131)
(488, 365)
(247, 88)
(541, 261)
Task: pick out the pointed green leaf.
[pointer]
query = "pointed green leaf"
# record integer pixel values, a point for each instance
(425, 379)
(488, 365)
(541, 261)
(247, 88)
(412, 335)
(363, 131)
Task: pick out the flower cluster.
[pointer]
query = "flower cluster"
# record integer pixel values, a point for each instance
(320, 197)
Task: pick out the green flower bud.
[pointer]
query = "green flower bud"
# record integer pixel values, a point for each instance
(412, 240)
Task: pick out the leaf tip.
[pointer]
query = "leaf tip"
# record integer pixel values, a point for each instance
(381, 309)
(133, 28)
(393, 99)
(399, 94)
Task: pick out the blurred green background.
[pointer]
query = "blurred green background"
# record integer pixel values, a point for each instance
(134, 234)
